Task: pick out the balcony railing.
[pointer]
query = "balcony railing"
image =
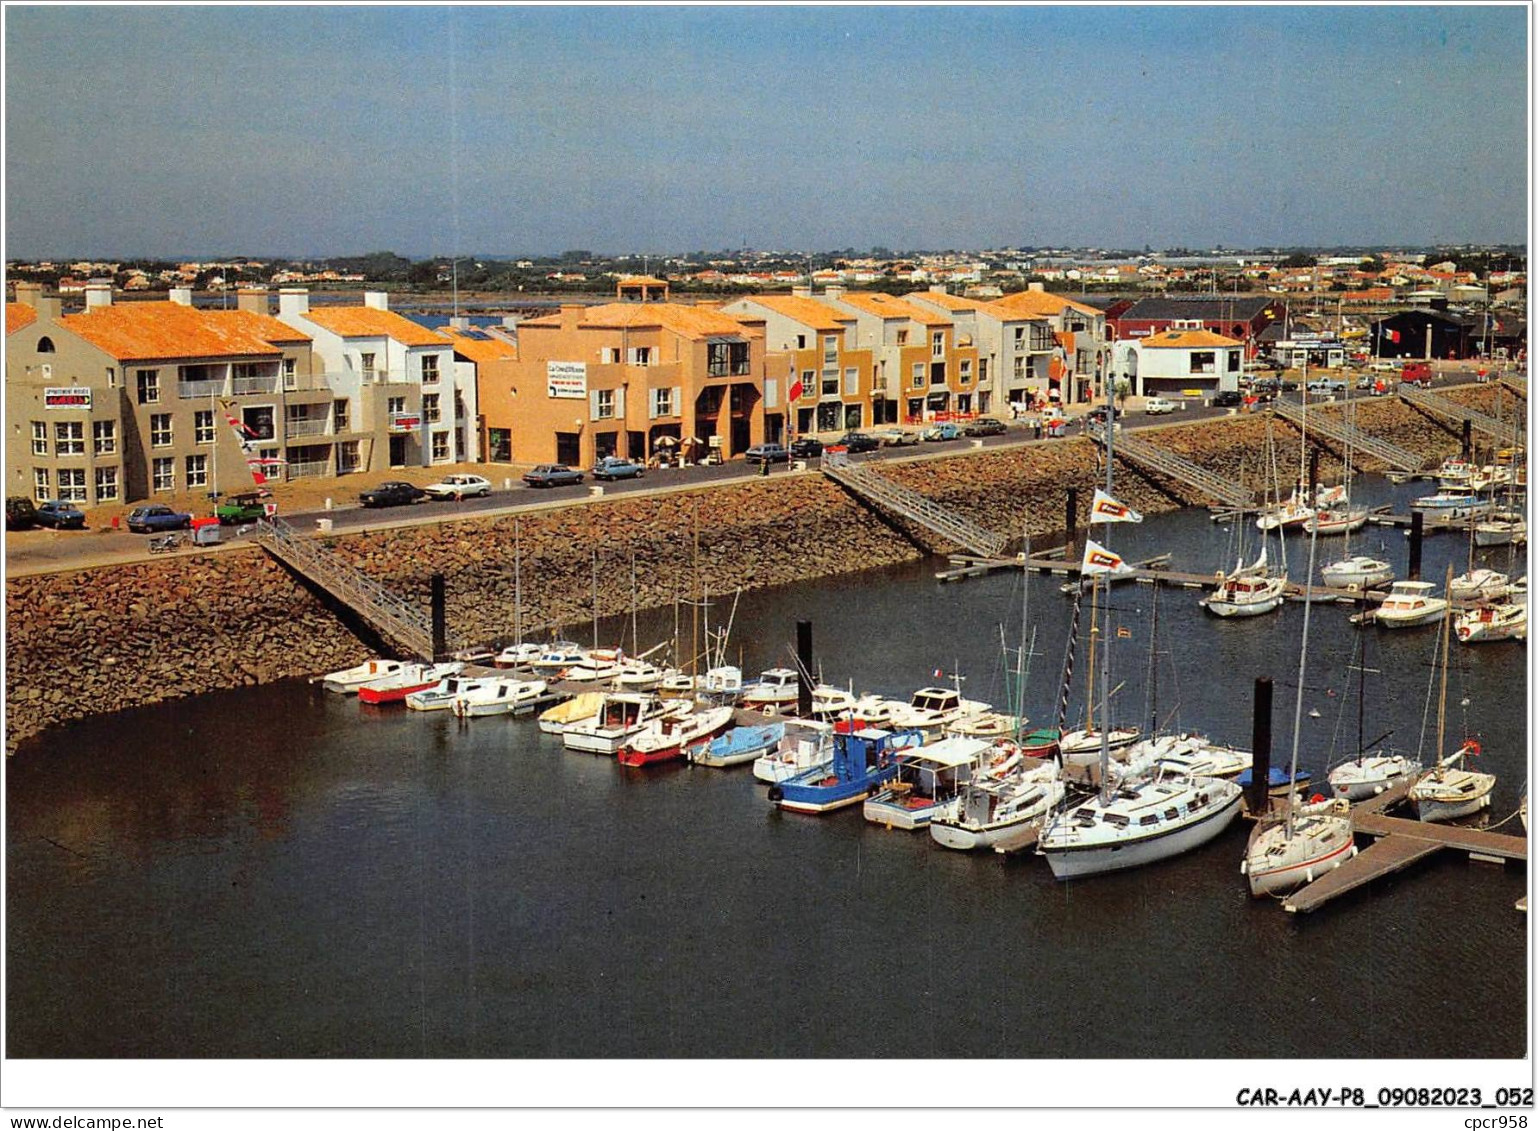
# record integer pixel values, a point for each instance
(309, 470)
(305, 426)
(244, 385)
(188, 390)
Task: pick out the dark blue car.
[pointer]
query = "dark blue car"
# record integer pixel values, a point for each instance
(60, 515)
(155, 517)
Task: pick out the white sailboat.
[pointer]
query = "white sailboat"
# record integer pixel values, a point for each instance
(1290, 849)
(1451, 789)
(1368, 774)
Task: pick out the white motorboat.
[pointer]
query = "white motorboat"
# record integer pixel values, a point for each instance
(1139, 821)
(927, 784)
(497, 697)
(517, 656)
(1410, 603)
(1333, 521)
(932, 709)
(555, 720)
(1501, 528)
(1479, 585)
(1002, 813)
(1188, 755)
(723, 682)
(410, 677)
(441, 696)
(348, 680)
(1452, 790)
(774, 690)
(556, 657)
(830, 702)
(619, 716)
(1289, 850)
(1451, 504)
(989, 724)
(869, 711)
(1245, 595)
(668, 737)
(1518, 593)
(1369, 775)
(804, 744)
(636, 674)
(1358, 570)
(1455, 474)
(598, 665)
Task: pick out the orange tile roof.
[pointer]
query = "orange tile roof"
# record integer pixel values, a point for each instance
(686, 321)
(947, 300)
(369, 322)
(886, 306)
(154, 330)
(481, 350)
(807, 311)
(18, 315)
(1187, 339)
(1040, 303)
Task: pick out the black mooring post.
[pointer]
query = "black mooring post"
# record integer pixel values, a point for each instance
(440, 619)
(1071, 523)
(803, 668)
(1468, 439)
(1313, 475)
(1417, 532)
(1258, 797)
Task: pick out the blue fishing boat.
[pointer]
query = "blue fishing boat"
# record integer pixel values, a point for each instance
(738, 745)
(862, 761)
(1276, 780)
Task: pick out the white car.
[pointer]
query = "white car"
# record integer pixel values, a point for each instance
(1154, 406)
(458, 487)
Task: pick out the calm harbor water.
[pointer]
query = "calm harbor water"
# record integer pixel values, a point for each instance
(277, 872)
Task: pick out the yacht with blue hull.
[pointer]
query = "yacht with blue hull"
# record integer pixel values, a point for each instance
(863, 761)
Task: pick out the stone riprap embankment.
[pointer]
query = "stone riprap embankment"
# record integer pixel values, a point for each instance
(90, 641)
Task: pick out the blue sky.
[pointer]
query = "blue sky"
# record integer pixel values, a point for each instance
(293, 131)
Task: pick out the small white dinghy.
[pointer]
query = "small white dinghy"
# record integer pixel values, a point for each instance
(348, 680)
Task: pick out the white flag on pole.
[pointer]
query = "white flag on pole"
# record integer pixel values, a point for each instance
(1107, 509)
(1097, 559)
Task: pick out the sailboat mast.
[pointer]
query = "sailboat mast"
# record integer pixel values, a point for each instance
(694, 605)
(1297, 710)
(1105, 652)
(595, 597)
(1025, 607)
(1153, 668)
(1447, 620)
(517, 583)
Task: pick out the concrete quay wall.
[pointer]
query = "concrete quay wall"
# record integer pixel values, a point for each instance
(97, 640)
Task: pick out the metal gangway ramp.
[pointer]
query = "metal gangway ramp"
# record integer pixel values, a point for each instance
(1516, 382)
(870, 486)
(1504, 431)
(1154, 458)
(1333, 426)
(391, 615)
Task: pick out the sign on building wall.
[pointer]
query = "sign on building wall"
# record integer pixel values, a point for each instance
(79, 397)
(566, 379)
(405, 421)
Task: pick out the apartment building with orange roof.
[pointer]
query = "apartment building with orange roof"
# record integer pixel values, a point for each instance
(1077, 371)
(126, 400)
(1014, 350)
(393, 379)
(810, 346)
(635, 379)
(483, 358)
(1169, 362)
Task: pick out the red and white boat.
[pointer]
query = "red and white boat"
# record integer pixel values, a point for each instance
(666, 739)
(395, 687)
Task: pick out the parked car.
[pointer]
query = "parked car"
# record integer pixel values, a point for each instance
(896, 437)
(1416, 373)
(805, 448)
(552, 475)
(937, 432)
(985, 426)
(1288, 386)
(854, 442)
(1098, 414)
(1226, 397)
(1157, 406)
(61, 515)
(247, 507)
(617, 467)
(20, 514)
(457, 487)
(765, 453)
(154, 517)
(1326, 385)
(393, 493)
(1383, 366)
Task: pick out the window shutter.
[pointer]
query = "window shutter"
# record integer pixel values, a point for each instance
(771, 392)
(619, 403)
(651, 404)
(678, 400)
(592, 405)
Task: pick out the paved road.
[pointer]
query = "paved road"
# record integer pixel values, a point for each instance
(43, 550)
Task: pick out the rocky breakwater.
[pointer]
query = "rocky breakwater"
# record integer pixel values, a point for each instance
(87, 642)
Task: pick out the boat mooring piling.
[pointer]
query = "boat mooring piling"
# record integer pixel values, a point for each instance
(804, 668)
(440, 618)
(1468, 440)
(1258, 798)
(1313, 475)
(1417, 534)
(1071, 522)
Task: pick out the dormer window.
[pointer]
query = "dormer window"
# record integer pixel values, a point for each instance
(45, 345)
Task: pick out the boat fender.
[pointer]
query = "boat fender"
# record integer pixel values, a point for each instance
(776, 794)
(1308, 875)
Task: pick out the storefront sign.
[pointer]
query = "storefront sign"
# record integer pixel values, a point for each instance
(405, 421)
(566, 379)
(79, 397)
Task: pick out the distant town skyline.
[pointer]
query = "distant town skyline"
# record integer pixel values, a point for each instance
(294, 131)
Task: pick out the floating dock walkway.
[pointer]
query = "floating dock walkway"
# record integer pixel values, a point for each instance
(1505, 432)
(389, 614)
(872, 488)
(1335, 427)
(1400, 842)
